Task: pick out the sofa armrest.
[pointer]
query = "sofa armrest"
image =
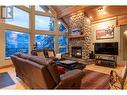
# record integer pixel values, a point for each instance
(72, 74)
(70, 79)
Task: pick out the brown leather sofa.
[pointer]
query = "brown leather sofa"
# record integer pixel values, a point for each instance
(41, 73)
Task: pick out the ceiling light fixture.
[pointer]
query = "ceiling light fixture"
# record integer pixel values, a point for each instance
(101, 11)
(88, 20)
(90, 17)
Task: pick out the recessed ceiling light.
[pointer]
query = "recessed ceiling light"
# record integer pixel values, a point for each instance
(59, 22)
(90, 17)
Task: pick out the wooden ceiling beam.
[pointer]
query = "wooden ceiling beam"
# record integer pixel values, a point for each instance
(69, 10)
(67, 25)
(52, 10)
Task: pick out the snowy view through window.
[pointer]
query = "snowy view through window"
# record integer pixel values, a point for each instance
(19, 41)
(44, 42)
(16, 42)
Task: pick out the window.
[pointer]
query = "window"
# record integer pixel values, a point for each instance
(44, 23)
(16, 42)
(63, 44)
(63, 41)
(62, 50)
(20, 18)
(44, 42)
(39, 8)
(62, 28)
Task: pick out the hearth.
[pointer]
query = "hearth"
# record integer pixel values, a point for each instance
(76, 52)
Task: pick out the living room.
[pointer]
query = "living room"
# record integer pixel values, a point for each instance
(63, 47)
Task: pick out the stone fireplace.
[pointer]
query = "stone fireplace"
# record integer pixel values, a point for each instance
(76, 52)
(83, 40)
(79, 46)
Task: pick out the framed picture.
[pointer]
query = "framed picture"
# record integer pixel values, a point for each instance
(105, 33)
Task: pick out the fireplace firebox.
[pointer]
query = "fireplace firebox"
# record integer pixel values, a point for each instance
(76, 52)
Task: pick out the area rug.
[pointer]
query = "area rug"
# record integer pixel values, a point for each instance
(5, 80)
(95, 80)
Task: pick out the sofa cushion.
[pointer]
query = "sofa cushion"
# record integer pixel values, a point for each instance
(18, 54)
(22, 55)
(61, 70)
(38, 59)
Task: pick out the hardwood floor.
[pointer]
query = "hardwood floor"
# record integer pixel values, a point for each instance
(103, 69)
(20, 85)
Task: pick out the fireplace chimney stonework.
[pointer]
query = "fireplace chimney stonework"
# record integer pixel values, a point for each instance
(80, 20)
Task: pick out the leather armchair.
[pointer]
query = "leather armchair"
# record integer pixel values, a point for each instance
(70, 80)
(117, 81)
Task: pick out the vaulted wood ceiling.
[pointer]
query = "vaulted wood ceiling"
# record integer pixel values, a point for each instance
(64, 12)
